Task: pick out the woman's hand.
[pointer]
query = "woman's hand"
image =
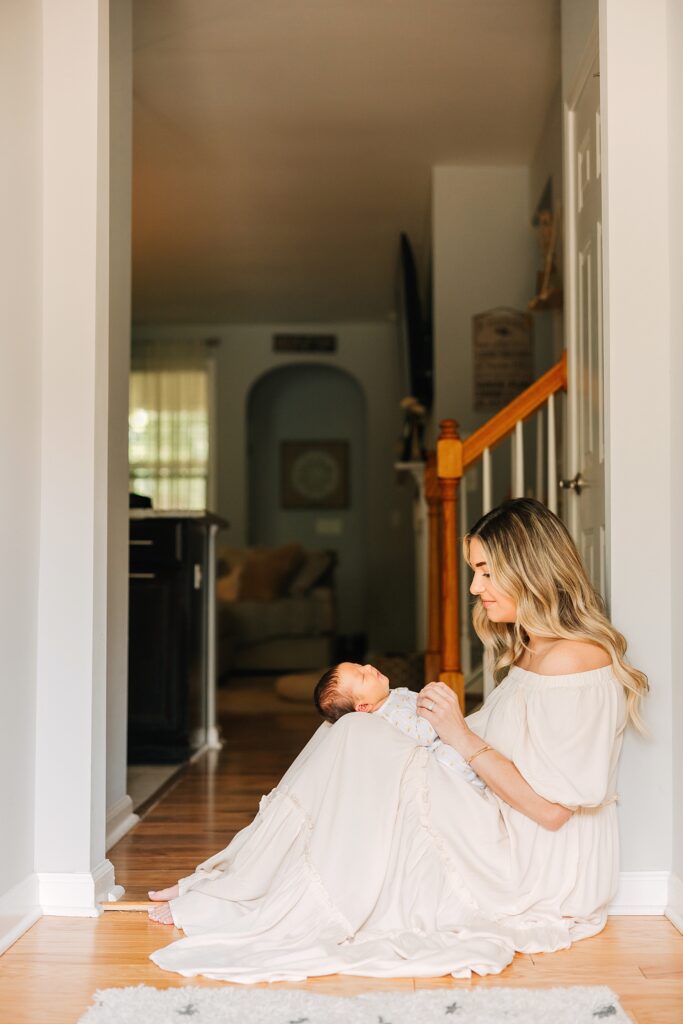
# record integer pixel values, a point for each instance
(440, 706)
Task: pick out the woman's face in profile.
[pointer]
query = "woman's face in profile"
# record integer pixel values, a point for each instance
(497, 605)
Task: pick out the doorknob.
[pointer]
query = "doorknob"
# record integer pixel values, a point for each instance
(576, 484)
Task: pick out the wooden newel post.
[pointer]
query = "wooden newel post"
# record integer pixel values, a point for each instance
(449, 471)
(433, 498)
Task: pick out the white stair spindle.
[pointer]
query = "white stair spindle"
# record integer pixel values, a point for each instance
(552, 457)
(464, 581)
(488, 681)
(540, 461)
(518, 461)
(487, 481)
(513, 465)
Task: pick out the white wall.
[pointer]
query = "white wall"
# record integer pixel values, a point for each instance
(577, 18)
(368, 351)
(20, 272)
(674, 31)
(640, 446)
(485, 255)
(546, 161)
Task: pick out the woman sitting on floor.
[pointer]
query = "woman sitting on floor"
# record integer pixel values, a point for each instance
(373, 858)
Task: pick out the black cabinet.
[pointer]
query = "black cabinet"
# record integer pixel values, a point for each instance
(169, 658)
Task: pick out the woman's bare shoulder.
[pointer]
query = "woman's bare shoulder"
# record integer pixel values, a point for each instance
(569, 656)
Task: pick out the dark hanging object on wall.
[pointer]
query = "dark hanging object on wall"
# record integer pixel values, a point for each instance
(416, 335)
(304, 343)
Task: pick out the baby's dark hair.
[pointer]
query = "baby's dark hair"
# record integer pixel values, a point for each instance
(329, 698)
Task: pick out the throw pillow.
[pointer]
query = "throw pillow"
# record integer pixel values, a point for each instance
(229, 558)
(268, 572)
(228, 585)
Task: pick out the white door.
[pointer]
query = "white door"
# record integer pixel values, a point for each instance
(585, 502)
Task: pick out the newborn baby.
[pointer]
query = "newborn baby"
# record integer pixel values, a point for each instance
(348, 687)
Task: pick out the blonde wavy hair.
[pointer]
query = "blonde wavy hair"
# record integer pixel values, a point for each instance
(533, 560)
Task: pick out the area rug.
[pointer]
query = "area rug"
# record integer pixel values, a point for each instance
(192, 1005)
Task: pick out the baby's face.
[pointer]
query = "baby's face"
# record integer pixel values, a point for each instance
(366, 686)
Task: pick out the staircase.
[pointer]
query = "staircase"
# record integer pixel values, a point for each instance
(450, 640)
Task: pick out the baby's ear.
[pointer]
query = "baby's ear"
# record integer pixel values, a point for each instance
(362, 707)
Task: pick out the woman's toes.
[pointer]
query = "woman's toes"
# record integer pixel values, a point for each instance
(161, 914)
(163, 895)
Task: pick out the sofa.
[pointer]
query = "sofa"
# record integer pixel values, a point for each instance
(276, 609)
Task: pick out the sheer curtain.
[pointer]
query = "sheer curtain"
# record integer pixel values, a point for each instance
(170, 416)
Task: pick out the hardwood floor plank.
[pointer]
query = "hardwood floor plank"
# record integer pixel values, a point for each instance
(668, 967)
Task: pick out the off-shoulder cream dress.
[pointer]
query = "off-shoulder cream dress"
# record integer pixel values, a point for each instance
(372, 858)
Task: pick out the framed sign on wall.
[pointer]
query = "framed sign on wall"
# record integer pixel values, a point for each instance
(314, 474)
(503, 363)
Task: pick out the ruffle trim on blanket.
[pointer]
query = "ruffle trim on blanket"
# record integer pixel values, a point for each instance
(307, 824)
(425, 817)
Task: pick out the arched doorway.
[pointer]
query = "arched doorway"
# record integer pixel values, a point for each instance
(287, 408)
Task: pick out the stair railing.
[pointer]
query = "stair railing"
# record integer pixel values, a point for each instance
(448, 655)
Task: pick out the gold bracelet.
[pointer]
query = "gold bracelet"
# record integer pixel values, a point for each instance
(482, 750)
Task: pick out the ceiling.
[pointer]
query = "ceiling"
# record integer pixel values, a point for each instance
(280, 146)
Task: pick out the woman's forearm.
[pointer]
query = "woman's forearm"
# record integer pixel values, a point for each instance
(501, 776)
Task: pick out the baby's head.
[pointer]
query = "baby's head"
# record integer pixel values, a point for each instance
(349, 687)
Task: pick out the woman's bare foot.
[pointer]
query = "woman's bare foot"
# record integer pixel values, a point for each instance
(161, 914)
(164, 895)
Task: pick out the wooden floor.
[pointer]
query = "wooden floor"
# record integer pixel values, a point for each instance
(51, 973)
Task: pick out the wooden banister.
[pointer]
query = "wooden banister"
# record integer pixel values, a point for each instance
(432, 665)
(449, 467)
(520, 408)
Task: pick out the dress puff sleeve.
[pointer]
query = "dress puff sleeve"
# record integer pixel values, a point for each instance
(565, 748)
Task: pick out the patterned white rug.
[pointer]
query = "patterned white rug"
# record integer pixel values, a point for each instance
(192, 1005)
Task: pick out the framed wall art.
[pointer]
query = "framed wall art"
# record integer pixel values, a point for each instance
(314, 474)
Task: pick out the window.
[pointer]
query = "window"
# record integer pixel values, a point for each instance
(168, 436)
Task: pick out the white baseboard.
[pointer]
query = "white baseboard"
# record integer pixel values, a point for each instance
(213, 742)
(641, 892)
(213, 739)
(674, 905)
(19, 909)
(70, 894)
(120, 819)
